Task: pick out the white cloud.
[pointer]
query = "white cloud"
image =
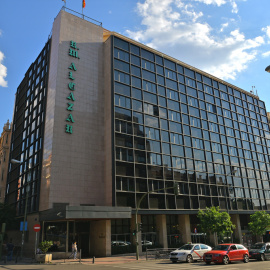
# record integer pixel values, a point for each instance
(213, 2)
(3, 71)
(266, 54)
(179, 30)
(223, 26)
(267, 30)
(220, 3)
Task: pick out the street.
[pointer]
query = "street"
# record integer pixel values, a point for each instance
(142, 265)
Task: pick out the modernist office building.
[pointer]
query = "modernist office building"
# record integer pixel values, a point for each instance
(100, 120)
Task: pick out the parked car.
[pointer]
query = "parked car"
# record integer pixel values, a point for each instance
(120, 243)
(225, 253)
(260, 251)
(146, 243)
(189, 253)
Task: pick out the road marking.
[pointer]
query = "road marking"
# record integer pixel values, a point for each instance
(173, 267)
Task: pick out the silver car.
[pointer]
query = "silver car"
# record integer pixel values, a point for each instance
(189, 253)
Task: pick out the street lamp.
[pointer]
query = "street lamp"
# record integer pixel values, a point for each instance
(15, 161)
(267, 69)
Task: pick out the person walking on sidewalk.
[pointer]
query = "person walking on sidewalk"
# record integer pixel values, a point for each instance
(74, 251)
(10, 248)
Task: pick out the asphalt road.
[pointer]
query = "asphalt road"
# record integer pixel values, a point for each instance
(147, 265)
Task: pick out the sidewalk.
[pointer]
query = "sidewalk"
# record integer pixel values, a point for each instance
(104, 260)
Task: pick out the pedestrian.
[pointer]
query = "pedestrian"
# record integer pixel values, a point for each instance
(74, 251)
(10, 248)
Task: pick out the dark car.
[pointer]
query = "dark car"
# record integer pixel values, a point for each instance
(260, 251)
(225, 253)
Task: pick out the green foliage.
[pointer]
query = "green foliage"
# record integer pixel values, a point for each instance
(260, 222)
(214, 221)
(7, 214)
(45, 245)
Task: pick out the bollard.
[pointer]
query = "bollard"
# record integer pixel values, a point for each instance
(80, 255)
(93, 259)
(146, 254)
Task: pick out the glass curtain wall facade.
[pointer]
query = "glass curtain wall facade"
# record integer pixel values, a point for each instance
(27, 135)
(173, 124)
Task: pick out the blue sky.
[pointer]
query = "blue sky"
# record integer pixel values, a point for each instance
(227, 38)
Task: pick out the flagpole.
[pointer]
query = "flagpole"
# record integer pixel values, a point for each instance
(83, 6)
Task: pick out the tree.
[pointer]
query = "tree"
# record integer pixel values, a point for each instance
(7, 214)
(260, 222)
(212, 221)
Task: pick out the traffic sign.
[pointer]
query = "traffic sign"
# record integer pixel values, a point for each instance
(37, 228)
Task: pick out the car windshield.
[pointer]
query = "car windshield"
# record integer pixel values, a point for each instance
(221, 247)
(258, 246)
(186, 247)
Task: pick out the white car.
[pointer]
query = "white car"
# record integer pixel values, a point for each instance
(189, 253)
(146, 243)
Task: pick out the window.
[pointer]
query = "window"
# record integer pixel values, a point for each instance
(121, 77)
(122, 101)
(197, 143)
(160, 70)
(121, 65)
(178, 162)
(121, 54)
(152, 133)
(196, 122)
(190, 82)
(176, 138)
(154, 159)
(170, 74)
(172, 94)
(175, 116)
(135, 71)
(148, 65)
(148, 55)
(150, 109)
(148, 86)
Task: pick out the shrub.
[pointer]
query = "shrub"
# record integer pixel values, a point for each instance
(45, 245)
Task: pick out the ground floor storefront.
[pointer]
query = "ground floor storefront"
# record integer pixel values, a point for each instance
(99, 232)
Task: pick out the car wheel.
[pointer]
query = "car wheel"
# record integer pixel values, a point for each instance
(207, 262)
(189, 259)
(225, 260)
(262, 257)
(246, 258)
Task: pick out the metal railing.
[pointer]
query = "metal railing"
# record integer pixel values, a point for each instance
(82, 16)
(158, 253)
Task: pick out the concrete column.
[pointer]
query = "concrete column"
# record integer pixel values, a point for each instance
(162, 230)
(133, 227)
(100, 238)
(184, 227)
(67, 236)
(238, 232)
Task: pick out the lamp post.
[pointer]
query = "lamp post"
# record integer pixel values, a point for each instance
(15, 161)
(176, 192)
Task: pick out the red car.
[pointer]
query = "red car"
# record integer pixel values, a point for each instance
(224, 253)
